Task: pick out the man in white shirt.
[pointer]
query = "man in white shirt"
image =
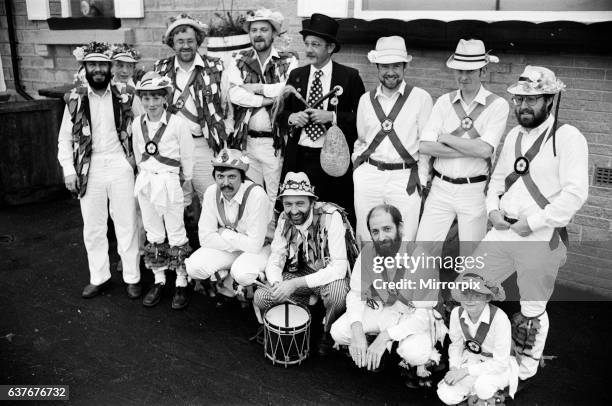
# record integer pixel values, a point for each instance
(404, 315)
(96, 157)
(462, 133)
(199, 95)
(308, 254)
(387, 165)
(540, 181)
(233, 224)
(256, 77)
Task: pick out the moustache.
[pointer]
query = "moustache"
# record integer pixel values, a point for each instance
(227, 187)
(526, 111)
(310, 55)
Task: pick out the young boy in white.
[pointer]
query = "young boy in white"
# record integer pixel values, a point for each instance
(479, 354)
(163, 148)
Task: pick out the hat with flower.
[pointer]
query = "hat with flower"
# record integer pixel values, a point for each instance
(231, 158)
(536, 80)
(263, 14)
(93, 52)
(183, 19)
(125, 53)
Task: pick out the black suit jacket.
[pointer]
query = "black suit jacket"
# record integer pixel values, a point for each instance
(353, 88)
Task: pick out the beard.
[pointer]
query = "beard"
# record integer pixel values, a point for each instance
(186, 54)
(388, 247)
(261, 45)
(391, 82)
(98, 85)
(529, 118)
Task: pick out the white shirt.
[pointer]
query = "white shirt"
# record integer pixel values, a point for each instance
(497, 342)
(260, 119)
(176, 143)
(408, 125)
(491, 125)
(102, 126)
(251, 229)
(563, 180)
(338, 262)
(326, 85)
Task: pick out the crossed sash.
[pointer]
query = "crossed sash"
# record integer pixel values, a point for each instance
(521, 170)
(152, 145)
(387, 130)
(474, 344)
(241, 207)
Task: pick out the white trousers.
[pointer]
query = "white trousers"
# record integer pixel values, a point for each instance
(447, 201)
(111, 178)
(415, 349)
(264, 167)
(374, 187)
(202, 169)
(170, 222)
(244, 266)
(536, 267)
(483, 386)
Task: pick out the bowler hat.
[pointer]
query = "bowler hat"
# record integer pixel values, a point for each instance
(322, 26)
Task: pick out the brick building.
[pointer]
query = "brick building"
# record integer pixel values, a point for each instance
(575, 51)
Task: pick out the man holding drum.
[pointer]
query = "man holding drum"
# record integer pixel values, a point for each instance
(308, 254)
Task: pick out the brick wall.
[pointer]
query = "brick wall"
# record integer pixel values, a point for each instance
(587, 104)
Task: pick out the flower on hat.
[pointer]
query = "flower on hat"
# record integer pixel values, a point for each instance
(93, 47)
(125, 49)
(79, 53)
(537, 80)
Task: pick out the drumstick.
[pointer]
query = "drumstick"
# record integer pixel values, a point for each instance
(266, 287)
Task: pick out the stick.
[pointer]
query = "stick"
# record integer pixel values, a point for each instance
(266, 287)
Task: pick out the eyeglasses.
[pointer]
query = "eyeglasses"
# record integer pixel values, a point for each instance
(530, 100)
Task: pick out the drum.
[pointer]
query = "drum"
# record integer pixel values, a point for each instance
(286, 334)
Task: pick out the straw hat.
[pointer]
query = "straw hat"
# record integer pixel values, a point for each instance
(470, 55)
(153, 81)
(537, 80)
(389, 50)
(263, 14)
(184, 19)
(93, 52)
(296, 184)
(125, 53)
(471, 282)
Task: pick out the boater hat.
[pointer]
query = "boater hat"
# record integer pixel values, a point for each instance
(324, 27)
(93, 52)
(153, 81)
(470, 55)
(125, 53)
(471, 282)
(184, 19)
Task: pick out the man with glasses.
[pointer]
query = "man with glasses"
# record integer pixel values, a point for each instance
(462, 133)
(540, 181)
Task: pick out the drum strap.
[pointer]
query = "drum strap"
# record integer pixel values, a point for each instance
(156, 139)
(413, 181)
(532, 188)
(483, 328)
(221, 207)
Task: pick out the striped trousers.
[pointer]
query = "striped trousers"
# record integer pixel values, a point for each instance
(333, 296)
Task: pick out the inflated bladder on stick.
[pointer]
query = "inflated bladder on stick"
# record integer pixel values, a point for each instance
(335, 154)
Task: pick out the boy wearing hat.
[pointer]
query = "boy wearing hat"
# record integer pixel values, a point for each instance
(311, 253)
(164, 152)
(233, 224)
(199, 91)
(257, 76)
(390, 121)
(479, 354)
(461, 135)
(542, 176)
(307, 127)
(95, 152)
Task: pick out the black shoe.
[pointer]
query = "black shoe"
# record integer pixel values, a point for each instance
(180, 301)
(90, 290)
(326, 344)
(133, 290)
(154, 295)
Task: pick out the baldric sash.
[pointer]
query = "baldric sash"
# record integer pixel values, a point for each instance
(474, 344)
(152, 145)
(387, 130)
(241, 207)
(521, 170)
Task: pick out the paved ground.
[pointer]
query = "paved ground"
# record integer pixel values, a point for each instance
(113, 351)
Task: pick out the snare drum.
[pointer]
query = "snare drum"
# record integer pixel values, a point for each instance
(287, 334)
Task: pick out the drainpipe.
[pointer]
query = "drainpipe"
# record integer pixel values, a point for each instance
(14, 57)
